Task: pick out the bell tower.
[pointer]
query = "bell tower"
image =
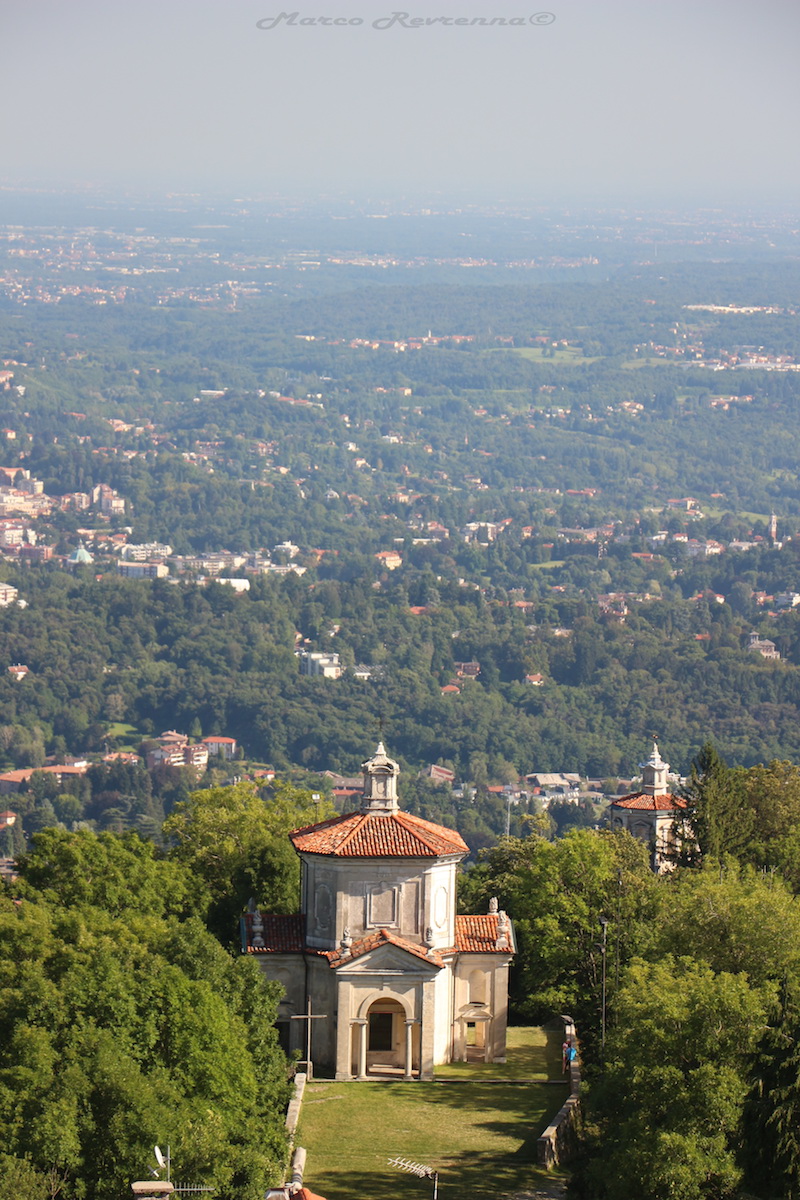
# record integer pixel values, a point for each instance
(654, 774)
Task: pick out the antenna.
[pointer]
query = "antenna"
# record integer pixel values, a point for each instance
(163, 1162)
(420, 1169)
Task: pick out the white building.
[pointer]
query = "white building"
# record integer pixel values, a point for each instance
(317, 662)
(145, 552)
(398, 980)
(142, 570)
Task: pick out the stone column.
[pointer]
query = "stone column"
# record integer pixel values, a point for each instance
(409, 1047)
(427, 1031)
(344, 1030)
(362, 1048)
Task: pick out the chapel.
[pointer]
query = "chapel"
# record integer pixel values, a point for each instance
(390, 980)
(654, 814)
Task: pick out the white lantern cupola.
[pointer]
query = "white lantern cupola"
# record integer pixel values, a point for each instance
(654, 774)
(380, 784)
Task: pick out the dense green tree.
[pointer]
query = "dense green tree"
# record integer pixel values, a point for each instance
(235, 840)
(116, 1033)
(720, 822)
(556, 893)
(772, 1150)
(116, 874)
(732, 918)
(673, 1091)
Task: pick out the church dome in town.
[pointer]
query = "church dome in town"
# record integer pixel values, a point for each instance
(81, 556)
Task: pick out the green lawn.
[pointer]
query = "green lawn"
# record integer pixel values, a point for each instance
(119, 729)
(532, 1054)
(715, 512)
(565, 356)
(481, 1136)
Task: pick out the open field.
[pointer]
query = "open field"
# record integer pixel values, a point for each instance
(568, 356)
(714, 511)
(120, 729)
(481, 1136)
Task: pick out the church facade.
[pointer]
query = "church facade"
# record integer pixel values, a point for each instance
(378, 970)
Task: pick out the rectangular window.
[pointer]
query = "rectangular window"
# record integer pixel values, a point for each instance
(380, 1031)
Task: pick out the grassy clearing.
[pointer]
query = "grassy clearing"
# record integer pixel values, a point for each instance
(118, 729)
(481, 1136)
(568, 356)
(714, 511)
(532, 1054)
(633, 364)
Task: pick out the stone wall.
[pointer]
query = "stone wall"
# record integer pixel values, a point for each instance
(557, 1142)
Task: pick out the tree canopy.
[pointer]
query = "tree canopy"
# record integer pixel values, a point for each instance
(123, 1022)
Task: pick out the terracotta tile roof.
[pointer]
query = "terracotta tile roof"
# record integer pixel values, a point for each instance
(478, 935)
(281, 935)
(381, 937)
(367, 835)
(643, 800)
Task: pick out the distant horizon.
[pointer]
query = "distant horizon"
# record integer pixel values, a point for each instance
(397, 203)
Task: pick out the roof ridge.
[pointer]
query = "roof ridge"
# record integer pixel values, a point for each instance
(359, 824)
(408, 822)
(338, 819)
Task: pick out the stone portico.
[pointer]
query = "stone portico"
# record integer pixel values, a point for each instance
(404, 982)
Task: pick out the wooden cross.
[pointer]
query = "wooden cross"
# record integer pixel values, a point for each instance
(309, 1017)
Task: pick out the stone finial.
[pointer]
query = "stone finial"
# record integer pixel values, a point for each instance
(503, 928)
(493, 904)
(257, 930)
(346, 941)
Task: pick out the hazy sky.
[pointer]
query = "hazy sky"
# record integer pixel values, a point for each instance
(622, 100)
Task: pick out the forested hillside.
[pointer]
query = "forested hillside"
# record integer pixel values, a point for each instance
(558, 468)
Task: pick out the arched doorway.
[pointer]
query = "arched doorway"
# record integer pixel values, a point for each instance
(386, 1041)
(476, 1025)
(385, 1036)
